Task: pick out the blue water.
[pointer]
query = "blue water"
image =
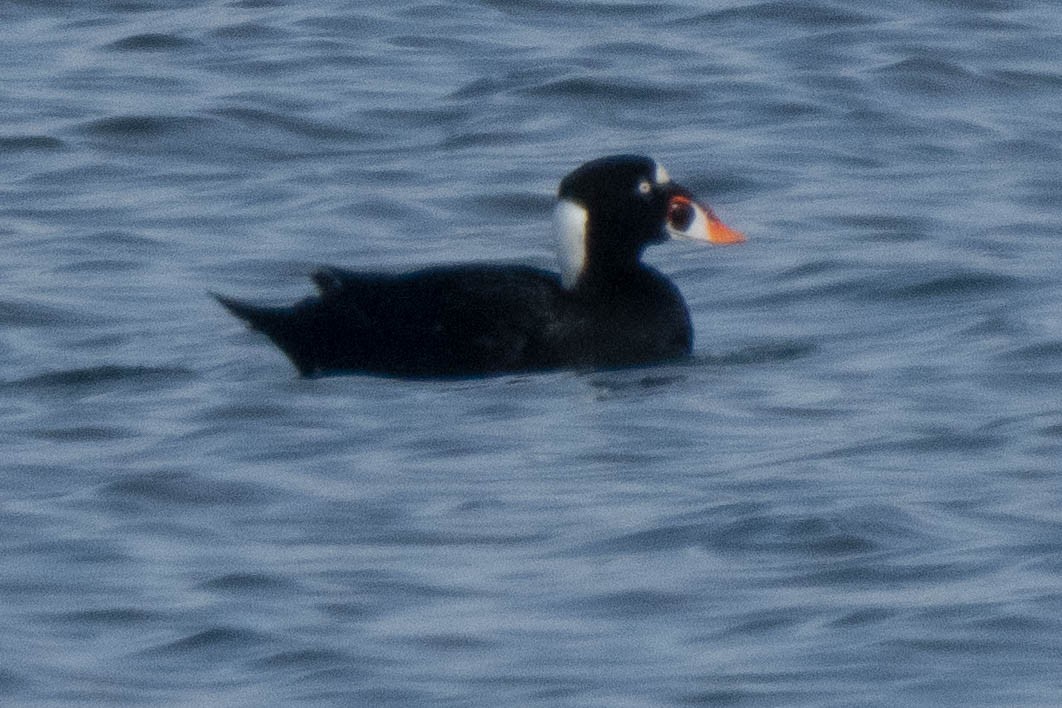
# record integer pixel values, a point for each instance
(851, 495)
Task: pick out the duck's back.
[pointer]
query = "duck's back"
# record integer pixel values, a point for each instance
(474, 319)
(453, 321)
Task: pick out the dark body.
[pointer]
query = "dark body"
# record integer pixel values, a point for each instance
(475, 319)
(606, 308)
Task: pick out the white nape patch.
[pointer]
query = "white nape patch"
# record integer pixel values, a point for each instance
(661, 176)
(569, 221)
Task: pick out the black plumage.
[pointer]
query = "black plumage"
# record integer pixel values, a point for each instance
(608, 309)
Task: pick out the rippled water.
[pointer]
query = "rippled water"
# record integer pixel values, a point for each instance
(850, 495)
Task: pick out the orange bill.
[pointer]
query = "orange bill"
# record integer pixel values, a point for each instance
(689, 220)
(721, 234)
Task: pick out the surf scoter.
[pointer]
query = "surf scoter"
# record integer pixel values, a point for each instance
(605, 308)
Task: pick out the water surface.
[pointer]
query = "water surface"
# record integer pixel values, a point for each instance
(849, 495)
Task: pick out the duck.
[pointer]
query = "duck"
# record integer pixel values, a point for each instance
(605, 308)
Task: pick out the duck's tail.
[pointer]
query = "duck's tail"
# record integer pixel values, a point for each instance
(289, 329)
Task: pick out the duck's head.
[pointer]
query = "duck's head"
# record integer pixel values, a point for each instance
(611, 208)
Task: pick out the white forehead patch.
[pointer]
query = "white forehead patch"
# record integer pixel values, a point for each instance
(661, 176)
(569, 222)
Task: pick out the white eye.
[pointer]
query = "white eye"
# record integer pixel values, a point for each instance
(644, 187)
